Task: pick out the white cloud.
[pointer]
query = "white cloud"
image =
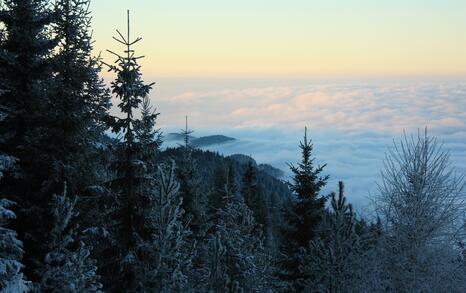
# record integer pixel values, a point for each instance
(352, 124)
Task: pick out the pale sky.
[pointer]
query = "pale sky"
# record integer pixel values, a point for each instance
(290, 38)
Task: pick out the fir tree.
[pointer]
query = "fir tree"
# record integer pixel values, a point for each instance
(254, 196)
(273, 223)
(216, 270)
(330, 264)
(168, 253)
(130, 183)
(7, 163)
(25, 63)
(11, 253)
(223, 186)
(195, 207)
(76, 126)
(237, 260)
(303, 214)
(194, 201)
(68, 265)
(25, 74)
(79, 99)
(149, 138)
(11, 249)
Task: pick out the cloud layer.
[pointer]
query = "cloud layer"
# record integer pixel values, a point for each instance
(352, 124)
(387, 107)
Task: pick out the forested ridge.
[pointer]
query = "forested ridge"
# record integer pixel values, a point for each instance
(85, 211)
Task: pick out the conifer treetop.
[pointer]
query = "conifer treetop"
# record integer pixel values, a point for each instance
(128, 86)
(307, 179)
(186, 132)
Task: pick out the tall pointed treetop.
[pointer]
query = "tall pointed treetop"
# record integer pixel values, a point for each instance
(186, 132)
(128, 86)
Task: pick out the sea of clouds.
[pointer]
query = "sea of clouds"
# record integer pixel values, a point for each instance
(352, 124)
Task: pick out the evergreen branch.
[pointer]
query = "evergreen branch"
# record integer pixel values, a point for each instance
(123, 38)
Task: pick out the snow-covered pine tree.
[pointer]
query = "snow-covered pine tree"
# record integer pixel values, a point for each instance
(215, 278)
(131, 180)
(11, 253)
(7, 163)
(149, 138)
(253, 196)
(224, 186)
(330, 263)
(273, 223)
(303, 214)
(194, 205)
(68, 266)
(25, 73)
(76, 126)
(421, 202)
(168, 254)
(11, 249)
(237, 260)
(194, 201)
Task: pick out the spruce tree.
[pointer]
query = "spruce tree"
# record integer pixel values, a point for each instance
(25, 89)
(68, 266)
(131, 178)
(194, 201)
(11, 249)
(254, 196)
(274, 220)
(239, 261)
(149, 138)
(76, 126)
(223, 187)
(195, 207)
(302, 214)
(24, 69)
(215, 273)
(11, 253)
(79, 98)
(168, 254)
(330, 263)
(235, 258)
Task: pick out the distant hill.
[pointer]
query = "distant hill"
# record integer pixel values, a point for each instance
(207, 162)
(177, 137)
(271, 170)
(199, 142)
(266, 168)
(243, 159)
(210, 140)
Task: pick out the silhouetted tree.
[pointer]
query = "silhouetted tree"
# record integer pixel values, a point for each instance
(303, 214)
(331, 264)
(132, 180)
(25, 77)
(78, 98)
(254, 196)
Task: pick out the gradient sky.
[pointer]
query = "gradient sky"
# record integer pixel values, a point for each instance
(290, 39)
